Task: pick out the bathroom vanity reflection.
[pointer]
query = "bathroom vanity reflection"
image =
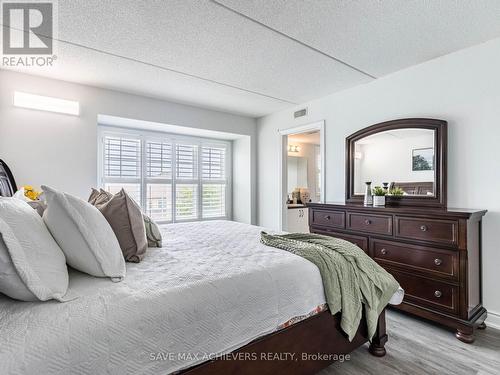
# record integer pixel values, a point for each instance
(303, 178)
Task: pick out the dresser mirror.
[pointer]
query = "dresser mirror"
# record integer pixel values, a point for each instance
(406, 156)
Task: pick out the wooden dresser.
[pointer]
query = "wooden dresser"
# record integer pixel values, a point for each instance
(435, 255)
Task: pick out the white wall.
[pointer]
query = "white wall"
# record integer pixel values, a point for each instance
(60, 150)
(462, 88)
(242, 182)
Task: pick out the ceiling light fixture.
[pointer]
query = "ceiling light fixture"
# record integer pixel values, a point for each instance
(46, 103)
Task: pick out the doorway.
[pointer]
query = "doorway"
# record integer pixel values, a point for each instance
(302, 166)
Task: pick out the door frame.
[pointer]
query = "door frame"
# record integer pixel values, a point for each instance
(283, 158)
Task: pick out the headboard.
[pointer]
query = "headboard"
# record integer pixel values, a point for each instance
(415, 188)
(7, 183)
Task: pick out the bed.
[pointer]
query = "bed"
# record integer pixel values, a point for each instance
(212, 289)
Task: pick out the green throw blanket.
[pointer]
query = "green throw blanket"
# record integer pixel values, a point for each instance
(351, 278)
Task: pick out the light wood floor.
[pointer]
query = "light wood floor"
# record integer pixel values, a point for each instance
(418, 347)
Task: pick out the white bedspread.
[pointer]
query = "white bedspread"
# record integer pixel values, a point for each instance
(211, 289)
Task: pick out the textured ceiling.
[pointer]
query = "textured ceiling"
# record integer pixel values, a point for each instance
(379, 36)
(255, 57)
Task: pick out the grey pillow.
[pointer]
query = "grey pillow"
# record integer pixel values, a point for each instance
(125, 218)
(93, 196)
(152, 232)
(103, 198)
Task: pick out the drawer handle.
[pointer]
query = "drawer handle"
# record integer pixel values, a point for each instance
(438, 262)
(368, 222)
(423, 228)
(438, 293)
(327, 217)
(383, 251)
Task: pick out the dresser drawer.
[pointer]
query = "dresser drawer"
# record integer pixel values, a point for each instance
(334, 219)
(360, 241)
(435, 262)
(428, 293)
(432, 230)
(379, 224)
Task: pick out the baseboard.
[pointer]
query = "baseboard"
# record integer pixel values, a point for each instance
(493, 320)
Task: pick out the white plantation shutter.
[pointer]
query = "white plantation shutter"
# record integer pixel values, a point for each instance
(213, 163)
(122, 157)
(158, 179)
(213, 160)
(159, 202)
(214, 200)
(122, 165)
(186, 162)
(186, 201)
(172, 178)
(159, 159)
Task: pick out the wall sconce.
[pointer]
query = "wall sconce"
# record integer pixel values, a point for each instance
(46, 103)
(293, 148)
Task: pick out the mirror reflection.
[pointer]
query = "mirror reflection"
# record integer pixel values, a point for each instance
(401, 158)
(303, 168)
(297, 173)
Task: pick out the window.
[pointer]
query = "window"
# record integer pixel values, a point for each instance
(213, 181)
(173, 178)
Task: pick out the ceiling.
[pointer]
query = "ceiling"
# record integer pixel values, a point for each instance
(255, 57)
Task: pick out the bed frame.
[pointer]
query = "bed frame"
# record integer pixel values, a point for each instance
(283, 352)
(7, 183)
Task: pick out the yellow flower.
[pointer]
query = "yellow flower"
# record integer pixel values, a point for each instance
(31, 193)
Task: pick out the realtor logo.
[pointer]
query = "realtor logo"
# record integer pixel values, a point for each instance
(27, 28)
(28, 32)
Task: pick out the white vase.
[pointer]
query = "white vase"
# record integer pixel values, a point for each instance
(379, 200)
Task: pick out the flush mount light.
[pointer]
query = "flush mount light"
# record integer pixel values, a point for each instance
(46, 103)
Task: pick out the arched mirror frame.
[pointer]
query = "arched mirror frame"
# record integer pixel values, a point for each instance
(438, 200)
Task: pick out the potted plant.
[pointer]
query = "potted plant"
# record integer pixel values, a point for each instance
(379, 196)
(396, 192)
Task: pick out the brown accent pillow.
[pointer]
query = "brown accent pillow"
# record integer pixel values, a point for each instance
(103, 198)
(125, 218)
(93, 196)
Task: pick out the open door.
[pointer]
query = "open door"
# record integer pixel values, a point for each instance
(302, 174)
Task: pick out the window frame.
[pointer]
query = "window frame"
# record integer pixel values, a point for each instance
(146, 135)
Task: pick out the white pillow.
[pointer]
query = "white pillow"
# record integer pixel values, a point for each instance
(84, 235)
(32, 266)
